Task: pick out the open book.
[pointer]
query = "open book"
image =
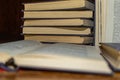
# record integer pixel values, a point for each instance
(60, 56)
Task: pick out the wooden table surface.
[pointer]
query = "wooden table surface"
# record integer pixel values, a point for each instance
(47, 75)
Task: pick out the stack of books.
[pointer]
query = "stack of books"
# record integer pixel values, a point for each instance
(69, 21)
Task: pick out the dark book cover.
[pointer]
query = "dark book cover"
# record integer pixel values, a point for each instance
(113, 45)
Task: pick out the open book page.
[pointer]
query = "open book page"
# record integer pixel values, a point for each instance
(67, 50)
(7, 50)
(112, 30)
(65, 57)
(4, 57)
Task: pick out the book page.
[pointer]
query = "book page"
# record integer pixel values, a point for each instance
(67, 50)
(14, 48)
(4, 57)
(69, 57)
(112, 33)
(8, 50)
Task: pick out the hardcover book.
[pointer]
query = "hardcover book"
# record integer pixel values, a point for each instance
(58, 31)
(58, 22)
(60, 5)
(57, 14)
(64, 39)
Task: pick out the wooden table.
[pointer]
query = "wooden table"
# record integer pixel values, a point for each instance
(47, 75)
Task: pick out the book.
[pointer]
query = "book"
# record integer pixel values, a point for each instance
(53, 30)
(111, 51)
(109, 21)
(64, 39)
(59, 5)
(57, 14)
(61, 57)
(59, 22)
